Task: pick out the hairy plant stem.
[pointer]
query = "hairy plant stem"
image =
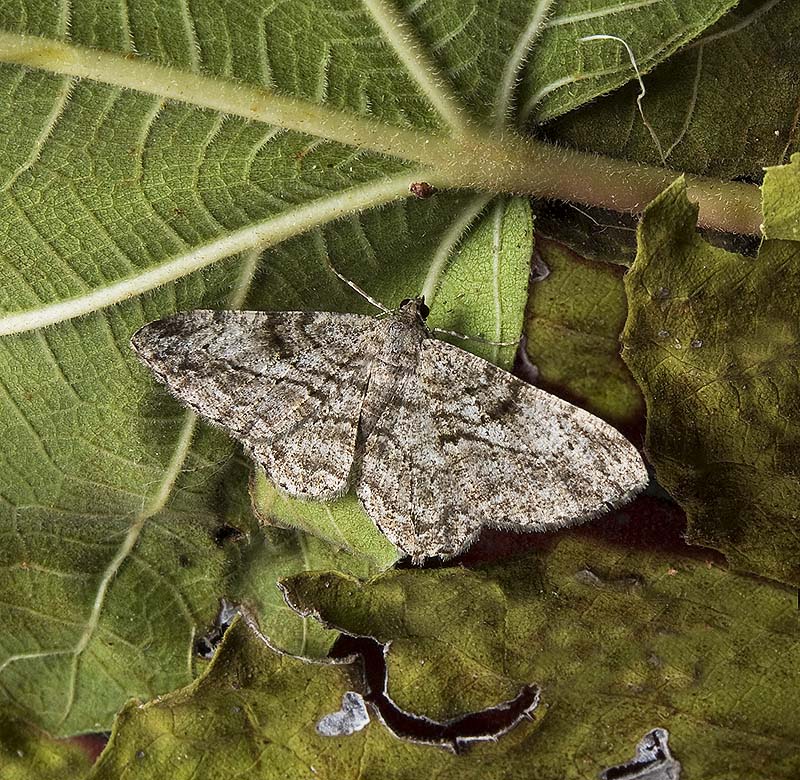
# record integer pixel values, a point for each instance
(526, 166)
(476, 157)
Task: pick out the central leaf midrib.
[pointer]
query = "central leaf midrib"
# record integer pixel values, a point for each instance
(477, 158)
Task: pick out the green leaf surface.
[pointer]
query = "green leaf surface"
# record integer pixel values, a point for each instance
(621, 641)
(572, 325)
(342, 523)
(114, 196)
(447, 629)
(586, 69)
(105, 587)
(272, 554)
(28, 754)
(254, 713)
(713, 339)
(726, 105)
(781, 195)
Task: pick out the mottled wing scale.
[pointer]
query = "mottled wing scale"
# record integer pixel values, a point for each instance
(470, 445)
(438, 441)
(289, 385)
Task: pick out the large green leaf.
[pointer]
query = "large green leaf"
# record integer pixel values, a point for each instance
(620, 641)
(163, 156)
(713, 339)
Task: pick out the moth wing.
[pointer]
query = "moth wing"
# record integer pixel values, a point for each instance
(471, 445)
(288, 385)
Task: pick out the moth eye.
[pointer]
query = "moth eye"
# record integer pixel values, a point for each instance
(404, 302)
(424, 311)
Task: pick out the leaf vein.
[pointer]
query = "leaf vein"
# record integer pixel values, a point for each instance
(401, 37)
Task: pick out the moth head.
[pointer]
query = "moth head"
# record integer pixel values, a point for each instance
(417, 305)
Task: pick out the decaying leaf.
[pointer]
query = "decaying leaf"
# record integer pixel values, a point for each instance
(258, 711)
(29, 754)
(713, 339)
(572, 326)
(620, 641)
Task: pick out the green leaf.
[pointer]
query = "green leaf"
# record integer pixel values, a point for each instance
(620, 641)
(271, 555)
(104, 597)
(740, 75)
(27, 754)
(254, 710)
(781, 194)
(447, 631)
(254, 713)
(161, 156)
(572, 326)
(343, 524)
(713, 340)
(565, 72)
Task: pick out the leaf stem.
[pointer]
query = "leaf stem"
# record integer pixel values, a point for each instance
(478, 158)
(525, 166)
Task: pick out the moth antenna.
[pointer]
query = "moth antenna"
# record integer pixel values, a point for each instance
(350, 283)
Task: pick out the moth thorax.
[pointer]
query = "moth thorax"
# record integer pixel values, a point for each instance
(404, 333)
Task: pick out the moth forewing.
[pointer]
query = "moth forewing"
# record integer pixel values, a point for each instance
(436, 442)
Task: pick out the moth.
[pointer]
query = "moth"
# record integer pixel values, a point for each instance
(436, 442)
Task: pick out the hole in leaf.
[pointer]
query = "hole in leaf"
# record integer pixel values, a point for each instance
(455, 734)
(653, 761)
(206, 645)
(226, 533)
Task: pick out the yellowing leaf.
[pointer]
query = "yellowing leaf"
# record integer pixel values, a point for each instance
(782, 201)
(620, 642)
(572, 325)
(713, 339)
(28, 754)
